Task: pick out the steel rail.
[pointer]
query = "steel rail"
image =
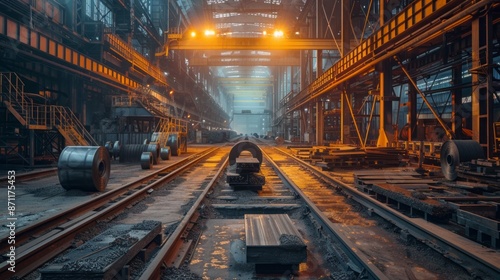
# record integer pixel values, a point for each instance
(476, 264)
(39, 227)
(30, 175)
(169, 249)
(348, 247)
(30, 256)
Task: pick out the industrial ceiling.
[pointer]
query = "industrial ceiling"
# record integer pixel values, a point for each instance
(246, 76)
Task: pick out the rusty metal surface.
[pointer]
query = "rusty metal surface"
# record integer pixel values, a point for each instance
(265, 230)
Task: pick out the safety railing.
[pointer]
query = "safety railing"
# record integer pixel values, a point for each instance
(13, 91)
(64, 119)
(122, 101)
(41, 116)
(38, 115)
(123, 49)
(119, 46)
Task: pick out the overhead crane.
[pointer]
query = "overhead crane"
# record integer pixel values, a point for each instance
(263, 43)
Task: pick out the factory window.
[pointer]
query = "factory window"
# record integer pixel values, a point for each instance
(97, 11)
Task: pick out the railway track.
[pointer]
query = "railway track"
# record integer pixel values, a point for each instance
(476, 259)
(32, 175)
(342, 237)
(204, 229)
(57, 233)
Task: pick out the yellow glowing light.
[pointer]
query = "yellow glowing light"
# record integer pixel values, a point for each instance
(278, 33)
(209, 32)
(264, 33)
(171, 92)
(193, 34)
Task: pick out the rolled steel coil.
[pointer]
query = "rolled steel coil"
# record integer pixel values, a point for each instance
(453, 152)
(146, 141)
(84, 168)
(244, 146)
(173, 143)
(279, 140)
(133, 152)
(155, 150)
(146, 160)
(116, 149)
(165, 153)
(109, 147)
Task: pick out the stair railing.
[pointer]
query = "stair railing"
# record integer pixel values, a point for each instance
(66, 120)
(13, 87)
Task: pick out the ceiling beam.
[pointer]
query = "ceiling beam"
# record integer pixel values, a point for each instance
(266, 43)
(242, 79)
(245, 85)
(229, 60)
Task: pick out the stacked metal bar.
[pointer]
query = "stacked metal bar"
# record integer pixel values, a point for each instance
(245, 159)
(273, 239)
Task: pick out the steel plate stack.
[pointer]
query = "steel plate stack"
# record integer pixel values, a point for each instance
(454, 152)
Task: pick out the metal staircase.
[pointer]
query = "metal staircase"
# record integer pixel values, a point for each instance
(42, 116)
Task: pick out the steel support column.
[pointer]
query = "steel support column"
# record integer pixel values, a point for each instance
(320, 123)
(319, 104)
(32, 148)
(456, 102)
(482, 73)
(345, 22)
(412, 113)
(385, 136)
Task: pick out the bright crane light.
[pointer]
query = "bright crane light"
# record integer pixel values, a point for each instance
(209, 32)
(278, 33)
